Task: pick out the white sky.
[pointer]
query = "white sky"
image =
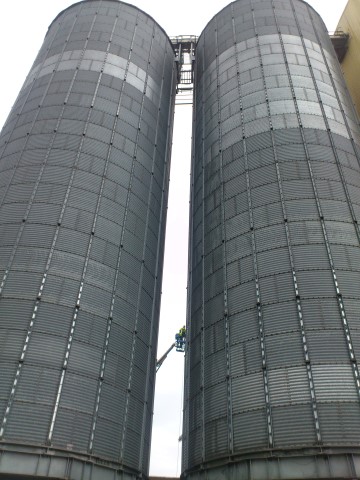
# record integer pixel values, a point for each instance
(23, 25)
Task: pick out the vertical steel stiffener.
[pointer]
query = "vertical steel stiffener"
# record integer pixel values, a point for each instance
(272, 379)
(84, 171)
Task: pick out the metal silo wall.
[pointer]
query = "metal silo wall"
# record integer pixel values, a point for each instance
(272, 380)
(84, 170)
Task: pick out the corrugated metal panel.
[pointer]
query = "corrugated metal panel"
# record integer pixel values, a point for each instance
(9, 370)
(321, 314)
(245, 357)
(85, 359)
(79, 393)
(268, 214)
(195, 413)
(289, 386)
(66, 265)
(45, 214)
(215, 401)
(280, 317)
(195, 444)
(248, 393)
(22, 285)
(240, 271)
(36, 235)
(241, 297)
(214, 370)
(284, 350)
(310, 257)
(334, 384)
(254, 424)
(336, 210)
(108, 438)
(293, 425)
(132, 445)
(43, 346)
(340, 421)
(243, 326)
(304, 232)
(214, 338)
(349, 283)
(29, 422)
(269, 238)
(96, 300)
(216, 435)
(53, 322)
(74, 428)
(273, 262)
(324, 343)
(342, 233)
(33, 259)
(39, 384)
(317, 283)
(277, 288)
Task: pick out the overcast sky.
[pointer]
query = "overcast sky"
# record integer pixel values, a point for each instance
(23, 25)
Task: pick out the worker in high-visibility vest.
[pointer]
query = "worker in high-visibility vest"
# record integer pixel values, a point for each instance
(180, 338)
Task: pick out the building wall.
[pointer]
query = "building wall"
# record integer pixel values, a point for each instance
(274, 277)
(350, 23)
(84, 171)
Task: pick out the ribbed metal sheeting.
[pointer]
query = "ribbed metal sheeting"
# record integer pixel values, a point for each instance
(274, 277)
(84, 170)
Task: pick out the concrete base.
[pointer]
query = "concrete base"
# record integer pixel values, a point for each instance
(286, 466)
(21, 462)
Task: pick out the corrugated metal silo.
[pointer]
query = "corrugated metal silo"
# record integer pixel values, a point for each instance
(272, 379)
(84, 170)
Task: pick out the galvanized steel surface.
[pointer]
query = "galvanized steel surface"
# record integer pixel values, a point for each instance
(274, 276)
(84, 170)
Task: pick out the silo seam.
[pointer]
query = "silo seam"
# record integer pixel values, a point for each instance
(253, 237)
(225, 288)
(110, 317)
(127, 394)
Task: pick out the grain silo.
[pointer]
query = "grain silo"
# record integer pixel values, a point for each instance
(272, 379)
(84, 170)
